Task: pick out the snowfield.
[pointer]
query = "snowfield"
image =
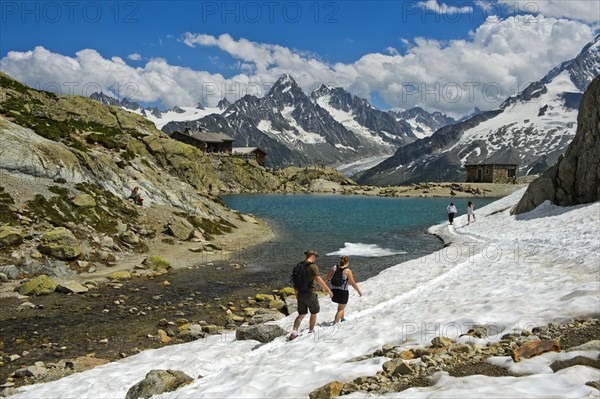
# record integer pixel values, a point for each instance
(513, 272)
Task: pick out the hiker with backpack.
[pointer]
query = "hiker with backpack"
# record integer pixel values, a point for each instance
(341, 276)
(305, 278)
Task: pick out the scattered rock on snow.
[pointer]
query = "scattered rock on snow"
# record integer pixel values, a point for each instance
(327, 391)
(534, 348)
(261, 332)
(157, 382)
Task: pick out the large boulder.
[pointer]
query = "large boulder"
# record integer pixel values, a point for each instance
(534, 348)
(190, 332)
(60, 243)
(130, 238)
(156, 264)
(181, 228)
(41, 285)
(327, 391)
(71, 287)
(575, 179)
(119, 275)
(10, 236)
(157, 382)
(261, 332)
(325, 186)
(11, 271)
(85, 363)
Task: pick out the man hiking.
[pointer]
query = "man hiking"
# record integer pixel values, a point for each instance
(305, 278)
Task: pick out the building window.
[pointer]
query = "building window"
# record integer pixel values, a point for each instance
(510, 172)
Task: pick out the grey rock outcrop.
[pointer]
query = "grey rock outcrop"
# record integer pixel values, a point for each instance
(575, 179)
(157, 382)
(181, 228)
(261, 332)
(60, 243)
(41, 285)
(71, 287)
(10, 236)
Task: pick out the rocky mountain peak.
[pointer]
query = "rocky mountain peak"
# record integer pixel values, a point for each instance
(582, 69)
(128, 104)
(432, 120)
(104, 98)
(286, 91)
(223, 104)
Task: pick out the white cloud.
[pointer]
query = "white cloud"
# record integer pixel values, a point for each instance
(442, 8)
(453, 77)
(392, 51)
(583, 10)
(88, 72)
(134, 57)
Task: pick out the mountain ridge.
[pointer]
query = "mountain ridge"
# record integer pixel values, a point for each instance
(539, 121)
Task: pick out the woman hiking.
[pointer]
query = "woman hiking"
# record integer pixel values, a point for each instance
(341, 276)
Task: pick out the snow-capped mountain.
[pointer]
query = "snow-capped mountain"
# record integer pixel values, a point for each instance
(223, 104)
(361, 118)
(160, 118)
(331, 127)
(424, 123)
(534, 126)
(294, 128)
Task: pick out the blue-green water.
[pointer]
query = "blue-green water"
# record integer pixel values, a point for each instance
(375, 232)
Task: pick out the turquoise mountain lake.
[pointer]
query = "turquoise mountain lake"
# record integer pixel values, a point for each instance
(376, 232)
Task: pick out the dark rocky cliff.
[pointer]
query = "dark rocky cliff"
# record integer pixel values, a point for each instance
(575, 179)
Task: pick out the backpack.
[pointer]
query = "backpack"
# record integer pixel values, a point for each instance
(300, 277)
(337, 280)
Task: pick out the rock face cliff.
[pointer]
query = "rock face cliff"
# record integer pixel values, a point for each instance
(575, 179)
(68, 164)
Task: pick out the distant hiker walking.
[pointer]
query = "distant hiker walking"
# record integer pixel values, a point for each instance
(305, 278)
(451, 212)
(341, 276)
(470, 212)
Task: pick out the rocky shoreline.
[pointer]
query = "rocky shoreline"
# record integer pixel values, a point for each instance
(55, 335)
(417, 367)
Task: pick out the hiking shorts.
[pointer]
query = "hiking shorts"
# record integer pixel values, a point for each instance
(340, 296)
(308, 301)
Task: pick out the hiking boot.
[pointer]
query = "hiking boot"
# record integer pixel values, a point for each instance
(342, 319)
(293, 336)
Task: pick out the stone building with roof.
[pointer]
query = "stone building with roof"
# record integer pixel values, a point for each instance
(251, 154)
(501, 167)
(209, 142)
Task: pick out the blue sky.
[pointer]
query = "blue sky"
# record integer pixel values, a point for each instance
(167, 49)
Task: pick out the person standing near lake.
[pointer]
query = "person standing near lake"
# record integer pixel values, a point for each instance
(451, 212)
(340, 288)
(305, 278)
(470, 212)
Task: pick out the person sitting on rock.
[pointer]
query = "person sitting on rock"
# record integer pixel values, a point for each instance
(136, 196)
